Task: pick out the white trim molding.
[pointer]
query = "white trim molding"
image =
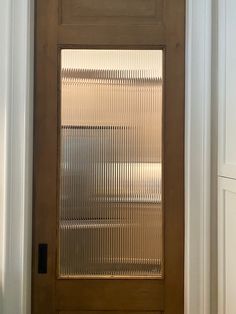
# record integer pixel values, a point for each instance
(18, 133)
(4, 79)
(226, 87)
(17, 76)
(198, 157)
(226, 244)
(226, 77)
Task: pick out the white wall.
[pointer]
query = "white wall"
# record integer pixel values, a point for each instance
(227, 157)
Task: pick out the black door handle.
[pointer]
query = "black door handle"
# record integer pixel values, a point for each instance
(42, 258)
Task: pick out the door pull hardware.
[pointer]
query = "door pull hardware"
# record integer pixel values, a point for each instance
(42, 258)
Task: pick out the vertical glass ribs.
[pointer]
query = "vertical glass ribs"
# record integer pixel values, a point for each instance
(110, 206)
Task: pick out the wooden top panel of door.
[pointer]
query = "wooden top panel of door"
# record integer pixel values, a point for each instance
(109, 12)
(110, 22)
(108, 312)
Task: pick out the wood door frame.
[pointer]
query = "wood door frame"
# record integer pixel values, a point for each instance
(16, 133)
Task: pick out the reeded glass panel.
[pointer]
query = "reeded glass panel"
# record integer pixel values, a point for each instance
(110, 219)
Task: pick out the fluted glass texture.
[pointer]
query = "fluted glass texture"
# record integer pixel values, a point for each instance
(110, 202)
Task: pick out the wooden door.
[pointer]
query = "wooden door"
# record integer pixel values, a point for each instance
(84, 27)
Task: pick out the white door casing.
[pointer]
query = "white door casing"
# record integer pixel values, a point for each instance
(227, 156)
